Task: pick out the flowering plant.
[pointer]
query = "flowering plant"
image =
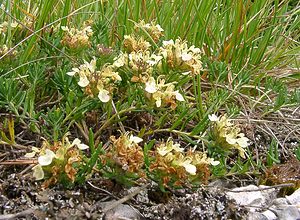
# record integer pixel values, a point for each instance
(226, 135)
(58, 162)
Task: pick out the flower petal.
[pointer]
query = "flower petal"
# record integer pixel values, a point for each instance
(213, 117)
(178, 96)
(186, 56)
(158, 103)
(177, 148)
(83, 82)
(46, 159)
(168, 42)
(135, 139)
(214, 162)
(33, 153)
(230, 139)
(190, 168)
(163, 150)
(38, 172)
(78, 143)
(103, 95)
(242, 141)
(72, 73)
(151, 86)
(30, 155)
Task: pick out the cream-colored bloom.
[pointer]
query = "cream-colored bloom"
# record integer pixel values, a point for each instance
(73, 72)
(151, 85)
(47, 158)
(168, 147)
(83, 82)
(159, 28)
(154, 59)
(186, 56)
(190, 168)
(80, 145)
(168, 42)
(242, 140)
(35, 150)
(213, 118)
(135, 139)
(85, 71)
(185, 162)
(163, 150)
(178, 96)
(121, 60)
(228, 135)
(103, 95)
(38, 172)
(213, 162)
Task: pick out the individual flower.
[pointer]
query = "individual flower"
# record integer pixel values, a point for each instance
(213, 118)
(85, 72)
(199, 158)
(35, 150)
(120, 60)
(168, 147)
(103, 95)
(150, 86)
(162, 93)
(38, 172)
(186, 163)
(46, 159)
(135, 139)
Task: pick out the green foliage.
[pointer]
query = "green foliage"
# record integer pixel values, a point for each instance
(249, 56)
(297, 152)
(273, 154)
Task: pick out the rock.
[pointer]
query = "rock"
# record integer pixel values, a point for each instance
(263, 204)
(294, 198)
(257, 216)
(269, 215)
(252, 197)
(122, 212)
(286, 212)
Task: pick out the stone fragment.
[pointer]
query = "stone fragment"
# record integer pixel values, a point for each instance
(122, 212)
(251, 196)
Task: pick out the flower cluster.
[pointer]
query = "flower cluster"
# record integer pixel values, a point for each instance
(147, 67)
(161, 92)
(96, 83)
(4, 49)
(145, 64)
(227, 135)
(175, 167)
(131, 43)
(153, 29)
(76, 39)
(4, 26)
(181, 57)
(125, 155)
(56, 162)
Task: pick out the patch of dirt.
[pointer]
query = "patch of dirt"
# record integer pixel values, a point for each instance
(24, 198)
